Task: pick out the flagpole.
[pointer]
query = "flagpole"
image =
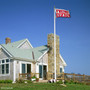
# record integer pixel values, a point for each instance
(54, 43)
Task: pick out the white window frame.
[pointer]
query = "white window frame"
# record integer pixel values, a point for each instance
(42, 65)
(24, 62)
(5, 64)
(62, 68)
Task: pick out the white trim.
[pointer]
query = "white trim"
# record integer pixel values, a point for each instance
(20, 67)
(5, 58)
(42, 55)
(29, 43)
(64, 63)
(24, 42)
(44, 64)
(0, 46)
(62, 68)
(14, 70)
(6, 51)
(24, 62)
(22, 59)
(21, 44)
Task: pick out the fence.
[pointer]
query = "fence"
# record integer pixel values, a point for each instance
(68, 76)
(28, 76)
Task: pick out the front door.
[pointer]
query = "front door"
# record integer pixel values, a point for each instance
(28, 68)
(43, 73)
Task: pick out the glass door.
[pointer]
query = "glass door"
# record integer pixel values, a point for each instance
(23, 68)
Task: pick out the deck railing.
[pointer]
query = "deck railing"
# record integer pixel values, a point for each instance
(69, 76)
(28, 76)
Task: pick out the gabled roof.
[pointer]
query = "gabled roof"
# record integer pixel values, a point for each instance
(24, 53)
(64, 63)
(13, 44)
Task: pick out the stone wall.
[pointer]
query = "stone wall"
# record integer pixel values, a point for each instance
(51, 54)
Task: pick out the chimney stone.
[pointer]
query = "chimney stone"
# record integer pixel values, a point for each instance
(51, 54)
(7, 40)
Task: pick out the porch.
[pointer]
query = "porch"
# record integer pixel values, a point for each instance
(60, 76)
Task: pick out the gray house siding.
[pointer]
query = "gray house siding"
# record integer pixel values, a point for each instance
(4, 55)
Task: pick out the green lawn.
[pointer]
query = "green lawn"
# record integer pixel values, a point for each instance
(43, 86)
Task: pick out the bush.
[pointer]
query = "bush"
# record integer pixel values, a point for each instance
(72, 82)
(28, 81)
(69, 82)
(59, 82)
(66, 82)
(5, 81)
(87, 83)
(33, 77)
(19, 81)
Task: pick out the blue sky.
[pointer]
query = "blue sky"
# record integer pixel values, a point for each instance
(34, 19)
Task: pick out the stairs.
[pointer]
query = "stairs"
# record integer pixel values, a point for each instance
(41, 81)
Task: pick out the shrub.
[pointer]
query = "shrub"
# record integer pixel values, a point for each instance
(5, 81)
(33, 77)
(28, 81)
(8, 81)
(59, 82)
(87, 83)
(19, 81)
(71, 82)
(67, 82)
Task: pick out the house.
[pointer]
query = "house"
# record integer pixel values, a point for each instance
(21, 57)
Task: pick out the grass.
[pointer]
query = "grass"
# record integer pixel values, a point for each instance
(76, 87)
(42, 86)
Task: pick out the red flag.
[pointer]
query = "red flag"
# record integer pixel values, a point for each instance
(62, 13)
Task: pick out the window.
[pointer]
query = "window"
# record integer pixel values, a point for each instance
(7, 68)
(23, 68)
(3, 61)
(7, 60)
(40, 71)
(3, 69)
(60, 70)
(4, 66)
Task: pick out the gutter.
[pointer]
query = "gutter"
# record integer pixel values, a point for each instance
(23, 59)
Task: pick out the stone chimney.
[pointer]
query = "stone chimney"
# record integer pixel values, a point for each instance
(51, 54)
(7, 40)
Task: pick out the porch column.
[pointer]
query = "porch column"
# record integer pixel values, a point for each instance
(42, 68)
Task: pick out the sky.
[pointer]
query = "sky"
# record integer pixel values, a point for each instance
(34, 19)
